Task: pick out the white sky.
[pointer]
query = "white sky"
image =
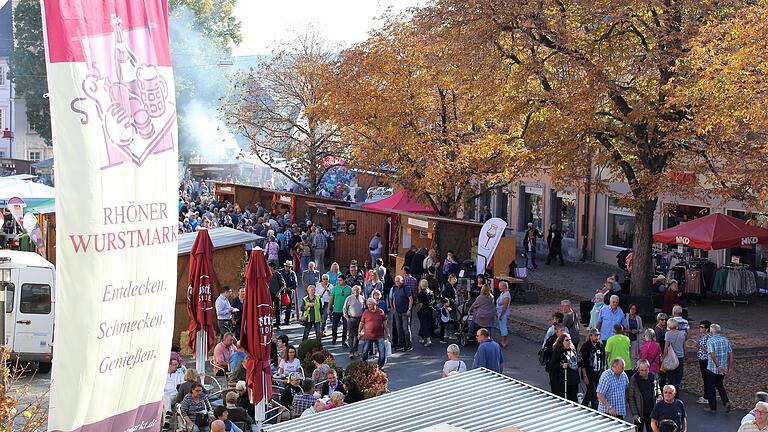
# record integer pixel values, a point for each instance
(343, 22)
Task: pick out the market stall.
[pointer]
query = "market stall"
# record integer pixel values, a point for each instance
(297, 203)
(353, 229)
(228, 264)
(696, 274)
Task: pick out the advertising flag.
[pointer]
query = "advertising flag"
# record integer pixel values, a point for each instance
(113, 120)
(490, 236)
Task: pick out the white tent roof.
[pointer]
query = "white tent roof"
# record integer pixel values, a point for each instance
(25, 190)
(477, 400)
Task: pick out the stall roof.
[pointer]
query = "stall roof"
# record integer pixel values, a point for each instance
(332, 206)
(402, 200)
(343, 203)
(477, 400)
(222, 237)
(439, 218)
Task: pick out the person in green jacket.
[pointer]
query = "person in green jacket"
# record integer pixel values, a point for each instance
(339, 295)
(618, 346)
(312, 314)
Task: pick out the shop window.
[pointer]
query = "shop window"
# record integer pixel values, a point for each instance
(533, 207)
(676, 214)
(620, 225)
(502, 201)
(565, 214)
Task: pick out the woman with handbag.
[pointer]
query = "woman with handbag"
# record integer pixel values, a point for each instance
(564, 369)
(674, 354)
(196, 410)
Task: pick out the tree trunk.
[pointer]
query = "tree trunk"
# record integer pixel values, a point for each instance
(642, 257)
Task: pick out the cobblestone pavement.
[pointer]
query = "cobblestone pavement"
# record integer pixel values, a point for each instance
(578, 281)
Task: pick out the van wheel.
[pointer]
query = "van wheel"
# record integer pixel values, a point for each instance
(43, 367)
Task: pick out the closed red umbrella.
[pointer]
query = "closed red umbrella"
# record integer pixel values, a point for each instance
(200, 304)
(716, 231)
(256, 328)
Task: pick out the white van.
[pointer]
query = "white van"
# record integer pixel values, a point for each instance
(29, 281)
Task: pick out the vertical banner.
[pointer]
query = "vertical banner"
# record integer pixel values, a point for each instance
(490, 236)
(114, 139)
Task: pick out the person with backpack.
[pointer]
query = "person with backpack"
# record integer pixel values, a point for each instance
(591, 366)
(545, 353)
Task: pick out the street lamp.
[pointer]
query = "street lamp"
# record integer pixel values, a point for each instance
(5, 280)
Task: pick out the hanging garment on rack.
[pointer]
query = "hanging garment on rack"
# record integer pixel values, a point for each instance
(740, 281)
(693, 282)
(678, 273)
(708, 275)
(718, 284)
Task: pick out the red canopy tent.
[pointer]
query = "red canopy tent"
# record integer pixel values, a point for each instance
(256, 331)
(200, 295)
(402, 200)
(716, 231)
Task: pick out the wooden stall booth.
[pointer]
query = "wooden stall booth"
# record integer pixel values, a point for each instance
(444, 234)
(228, 262)
(246, 195)
(353, 230)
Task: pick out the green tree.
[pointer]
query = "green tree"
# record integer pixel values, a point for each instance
(27, 66)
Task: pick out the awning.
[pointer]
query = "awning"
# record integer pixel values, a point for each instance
(477, 400)
(221, 237)
(716, 231)
(402, 200)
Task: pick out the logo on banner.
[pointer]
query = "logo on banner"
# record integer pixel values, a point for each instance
(682, 240)
(129, 95)
(490, 236)
(748, 241)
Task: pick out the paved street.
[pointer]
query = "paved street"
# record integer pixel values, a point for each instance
(424, 364)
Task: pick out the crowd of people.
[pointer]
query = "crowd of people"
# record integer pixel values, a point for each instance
(617, 364)
(632, 371)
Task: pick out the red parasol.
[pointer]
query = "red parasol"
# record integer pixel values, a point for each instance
(256, 328)
(200, 306)
(716, 231)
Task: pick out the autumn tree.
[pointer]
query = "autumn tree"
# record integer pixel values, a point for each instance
(274, 108)
(613, 79)
(411, 114)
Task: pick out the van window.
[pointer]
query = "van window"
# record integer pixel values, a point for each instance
(35, 299)
(9, 289)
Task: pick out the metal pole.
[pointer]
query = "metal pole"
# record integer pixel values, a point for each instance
(260, 407)
(201, 353)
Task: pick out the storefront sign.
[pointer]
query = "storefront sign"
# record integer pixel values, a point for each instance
(535, 190)
(566, 195)
(224, 189)
(418, 223)
(113, 119)
(749, 241)
(285, 199)
(682, 177)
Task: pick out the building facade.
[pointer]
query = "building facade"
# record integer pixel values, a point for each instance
(18, 139)
(597, 227)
